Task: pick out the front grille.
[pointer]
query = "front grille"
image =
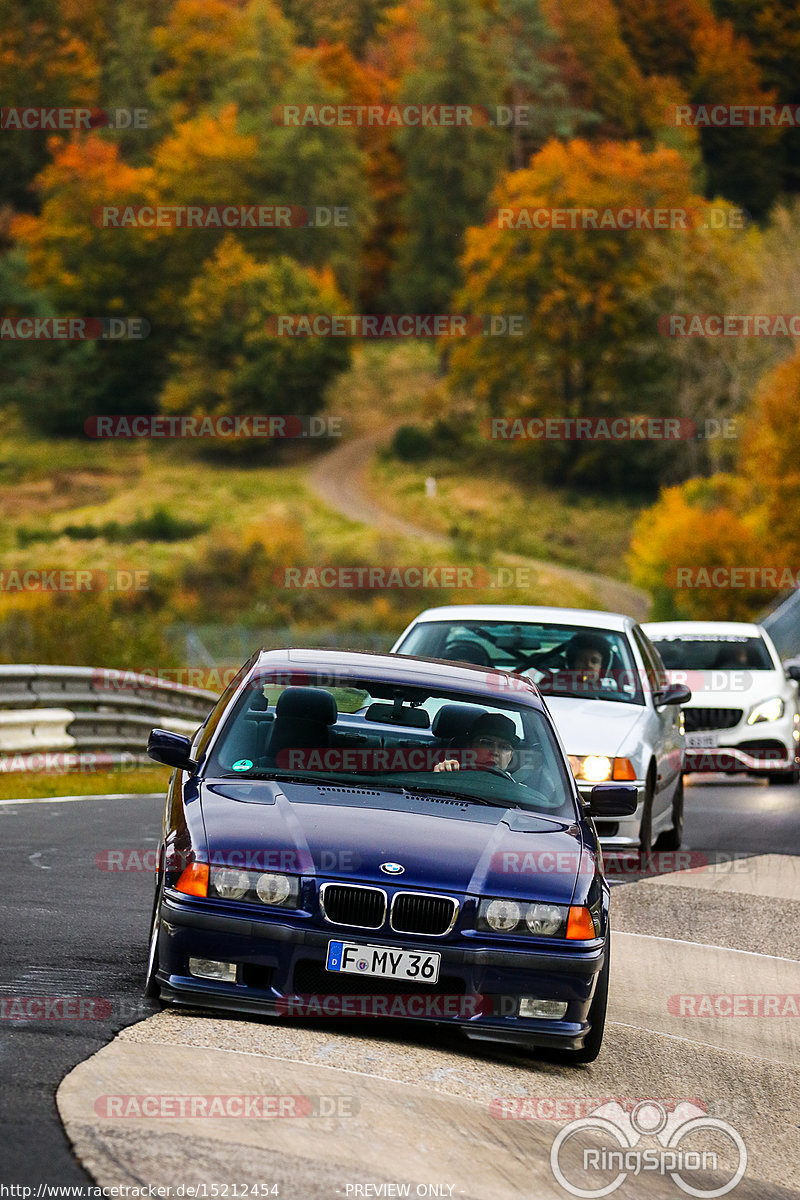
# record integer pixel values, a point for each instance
(413, 912)
(711, 718)
(311, 979)
(359, 907)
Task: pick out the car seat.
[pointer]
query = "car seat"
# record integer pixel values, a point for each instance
(303, 720)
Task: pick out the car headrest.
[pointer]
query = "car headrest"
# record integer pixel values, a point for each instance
(307, 704)
(454, 721)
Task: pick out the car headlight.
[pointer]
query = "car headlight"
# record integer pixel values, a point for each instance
(261, 887)
(228, 884)
(767, 710)
(597, 768)
(521, 917)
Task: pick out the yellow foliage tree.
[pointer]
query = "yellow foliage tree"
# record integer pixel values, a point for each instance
(769, 457)
(693, 529)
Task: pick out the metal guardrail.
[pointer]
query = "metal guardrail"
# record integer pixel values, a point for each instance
(63, 718)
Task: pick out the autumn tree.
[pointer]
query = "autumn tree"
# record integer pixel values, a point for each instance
(321, 22)
(232, 361)
(693, 528)
(590, 345)
(772, 30)
(710, 380)
(42, 64)
(598, 66)
(769, 458)
(87, 270)
(192, 47)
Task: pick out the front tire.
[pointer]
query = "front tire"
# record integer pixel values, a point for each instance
(152, 988)
(792, 776)
(646, 826)
(671, 839)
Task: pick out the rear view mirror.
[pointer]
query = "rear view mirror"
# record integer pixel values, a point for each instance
(673, 693)
(171, 749)
(613, 800)
(792, 670)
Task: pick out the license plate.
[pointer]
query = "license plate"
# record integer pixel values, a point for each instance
(701, 741)
(353, 959)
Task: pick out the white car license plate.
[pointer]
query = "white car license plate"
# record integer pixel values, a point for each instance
(353, 959)
(701, 741)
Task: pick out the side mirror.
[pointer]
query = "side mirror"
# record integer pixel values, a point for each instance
(792, 670)
(673, 693)
(171, 749)
(613, 800)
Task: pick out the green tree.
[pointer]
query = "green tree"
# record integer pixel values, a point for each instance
(526, 43)
(51, 384)
(231, 362)
(449, 171)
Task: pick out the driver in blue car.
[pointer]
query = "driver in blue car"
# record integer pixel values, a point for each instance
(493, 738)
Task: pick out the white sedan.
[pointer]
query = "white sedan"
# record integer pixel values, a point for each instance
(743, 715)
(605, 685)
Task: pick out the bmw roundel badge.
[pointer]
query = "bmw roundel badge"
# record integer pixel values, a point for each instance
(391, 868)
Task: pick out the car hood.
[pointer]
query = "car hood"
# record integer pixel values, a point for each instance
(731, 689)
(347, 833)
(593, 726)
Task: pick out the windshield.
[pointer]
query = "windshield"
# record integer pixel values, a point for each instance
(562, 660)
(400, 737)
(710, 652)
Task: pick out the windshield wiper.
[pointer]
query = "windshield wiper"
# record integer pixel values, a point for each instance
(380, 784)
(283, 778)
(451, 794)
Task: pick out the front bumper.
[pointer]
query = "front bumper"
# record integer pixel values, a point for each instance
(770, 754)
(281, 973)
(766, 748)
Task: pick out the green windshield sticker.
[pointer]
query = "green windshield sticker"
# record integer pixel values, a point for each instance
(243, 764)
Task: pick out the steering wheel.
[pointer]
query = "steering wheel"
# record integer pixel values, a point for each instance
(496, 771)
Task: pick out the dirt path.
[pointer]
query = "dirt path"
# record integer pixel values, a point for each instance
(340, 480)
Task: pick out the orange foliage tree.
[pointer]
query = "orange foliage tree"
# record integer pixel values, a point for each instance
(693, 529)
(769, 458)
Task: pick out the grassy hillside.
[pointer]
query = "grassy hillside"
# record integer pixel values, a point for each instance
(213, 536)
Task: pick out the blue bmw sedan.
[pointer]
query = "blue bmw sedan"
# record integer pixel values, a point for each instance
(372, 835)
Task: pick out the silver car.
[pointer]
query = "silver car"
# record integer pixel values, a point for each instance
(605, 685)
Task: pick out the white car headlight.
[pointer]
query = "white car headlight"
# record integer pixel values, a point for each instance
(502, 915)
(268, 887)
(767, 710)
(273, 889)
(523, 918)
(230, 884)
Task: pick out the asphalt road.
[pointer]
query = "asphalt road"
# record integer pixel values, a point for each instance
(70, 929)
(67, 929)
(740, 814)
